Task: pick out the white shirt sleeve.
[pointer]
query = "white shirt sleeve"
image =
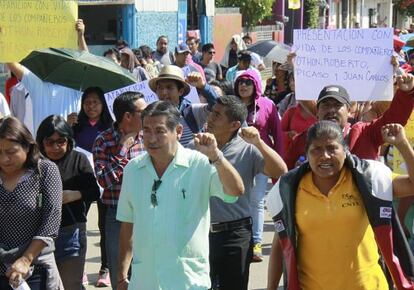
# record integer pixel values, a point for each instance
(256, 60)
(273, 201)
(30, 81)
(4, 107)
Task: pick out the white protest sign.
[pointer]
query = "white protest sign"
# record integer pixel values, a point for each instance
(144, 89)
(357, 59)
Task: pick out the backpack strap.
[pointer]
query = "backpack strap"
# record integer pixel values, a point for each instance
(171, 57)
(190, 119)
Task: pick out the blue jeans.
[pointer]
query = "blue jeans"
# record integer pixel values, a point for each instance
(257, 206)
(71, 269)
(112, 229)
(101, 225)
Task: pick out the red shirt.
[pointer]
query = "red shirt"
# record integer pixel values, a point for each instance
(293, 120)
(10, 83)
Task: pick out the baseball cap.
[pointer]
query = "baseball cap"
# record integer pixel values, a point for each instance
(181, 48)
(336, 92)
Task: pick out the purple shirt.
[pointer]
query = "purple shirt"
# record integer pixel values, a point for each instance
(86, 136)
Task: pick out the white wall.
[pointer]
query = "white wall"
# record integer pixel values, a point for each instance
(333, 14)
(403, 22)
(383, 16)
(210, 7)
(157, 5)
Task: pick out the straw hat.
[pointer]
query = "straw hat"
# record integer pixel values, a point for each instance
(170, 72)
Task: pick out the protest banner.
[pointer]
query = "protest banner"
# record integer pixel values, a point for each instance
(357, 59)
(144, 89)
(26, 25)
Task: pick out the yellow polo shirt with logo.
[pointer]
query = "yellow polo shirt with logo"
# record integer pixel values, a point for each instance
(336, 244)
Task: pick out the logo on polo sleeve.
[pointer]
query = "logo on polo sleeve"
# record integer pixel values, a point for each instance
(279, 226)
(385, 212)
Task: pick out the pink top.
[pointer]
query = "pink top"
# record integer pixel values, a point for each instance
(263, 115)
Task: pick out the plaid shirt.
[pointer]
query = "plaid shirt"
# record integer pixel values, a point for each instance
(110, 157)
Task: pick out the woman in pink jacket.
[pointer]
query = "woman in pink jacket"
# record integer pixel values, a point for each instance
(262, 114)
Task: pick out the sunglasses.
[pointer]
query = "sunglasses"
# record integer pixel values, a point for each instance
(247, 82)
(51, 142)
(154, 189)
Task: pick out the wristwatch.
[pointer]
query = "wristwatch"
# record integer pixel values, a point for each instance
(218, 160)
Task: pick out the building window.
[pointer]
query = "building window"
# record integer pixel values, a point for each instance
(102, 23)
(192, 14)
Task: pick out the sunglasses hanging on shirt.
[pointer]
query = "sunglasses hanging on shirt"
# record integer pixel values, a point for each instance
(155, 186)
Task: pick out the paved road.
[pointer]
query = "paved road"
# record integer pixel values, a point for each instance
(258, 271)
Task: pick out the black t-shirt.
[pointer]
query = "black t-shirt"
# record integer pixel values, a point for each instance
(77, 174)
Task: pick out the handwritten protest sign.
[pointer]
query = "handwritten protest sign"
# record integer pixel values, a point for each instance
(357, 59)
(26, 25)
(144, 89)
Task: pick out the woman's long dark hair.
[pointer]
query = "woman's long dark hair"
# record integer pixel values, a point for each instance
(14, 130)
(105, 120)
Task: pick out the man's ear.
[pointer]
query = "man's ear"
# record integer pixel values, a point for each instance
(235, 125)
(126, 116)
(348, 107)
(179, 131)
(181, 92)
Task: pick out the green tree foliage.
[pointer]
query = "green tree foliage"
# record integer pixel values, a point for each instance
(253, 11)
(405, 7)
(311, 17)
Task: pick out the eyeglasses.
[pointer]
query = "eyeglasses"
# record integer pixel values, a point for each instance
(247, 82)
(51, 142)
(211, 52)
(155, 187)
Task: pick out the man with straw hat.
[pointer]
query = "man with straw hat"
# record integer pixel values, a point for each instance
(171, 86)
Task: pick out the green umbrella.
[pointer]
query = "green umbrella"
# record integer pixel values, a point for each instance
(77, 69)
